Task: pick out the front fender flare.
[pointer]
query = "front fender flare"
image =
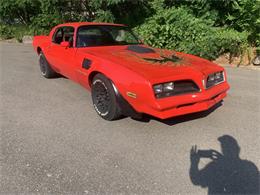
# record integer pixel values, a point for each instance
(126, 108)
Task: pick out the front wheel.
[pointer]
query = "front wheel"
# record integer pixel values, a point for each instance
(104, 98)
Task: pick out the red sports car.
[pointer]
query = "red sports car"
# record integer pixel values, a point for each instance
(127, 77)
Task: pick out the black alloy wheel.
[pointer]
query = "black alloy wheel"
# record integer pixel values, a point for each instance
(104, 98)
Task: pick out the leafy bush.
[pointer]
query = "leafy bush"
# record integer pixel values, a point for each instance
(6, 32)
(42, 23)
(241, 15)
(20, 31)
(14, 31)
(245, 16)
(179, 30)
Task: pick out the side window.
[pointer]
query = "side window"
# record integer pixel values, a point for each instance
(93, 36)
(58, 36)
(64, 34)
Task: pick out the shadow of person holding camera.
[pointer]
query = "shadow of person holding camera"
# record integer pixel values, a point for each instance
(226, 173)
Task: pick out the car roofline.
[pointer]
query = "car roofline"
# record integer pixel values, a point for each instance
(78, 24)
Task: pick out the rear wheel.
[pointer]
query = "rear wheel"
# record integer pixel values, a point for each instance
(104, 98)
(45, 68)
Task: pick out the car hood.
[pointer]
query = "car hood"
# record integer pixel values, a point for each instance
(153, 63)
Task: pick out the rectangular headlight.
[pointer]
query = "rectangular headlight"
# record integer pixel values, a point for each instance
(211, 78)
(163, 89)
(175, 88)
(168, 86)
(158, 88)
(214, 79)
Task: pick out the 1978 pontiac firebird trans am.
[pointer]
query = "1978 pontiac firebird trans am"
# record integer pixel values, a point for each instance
(127, 77)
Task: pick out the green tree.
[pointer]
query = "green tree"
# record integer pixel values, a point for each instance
(18, 11)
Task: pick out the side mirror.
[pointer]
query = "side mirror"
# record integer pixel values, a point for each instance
(65, 44)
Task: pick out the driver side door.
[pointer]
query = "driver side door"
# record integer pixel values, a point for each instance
(62, 57)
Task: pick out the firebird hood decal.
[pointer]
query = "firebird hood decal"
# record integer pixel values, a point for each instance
(159, 58)
(163, 59)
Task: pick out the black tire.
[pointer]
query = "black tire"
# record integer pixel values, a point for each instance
(104, 98)
(45, 68)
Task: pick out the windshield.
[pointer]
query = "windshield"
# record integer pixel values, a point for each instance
(105, 35)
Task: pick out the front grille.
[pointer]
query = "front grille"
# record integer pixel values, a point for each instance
(180, 87)
(214, 79)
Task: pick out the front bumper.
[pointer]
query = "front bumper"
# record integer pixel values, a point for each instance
(189, 103)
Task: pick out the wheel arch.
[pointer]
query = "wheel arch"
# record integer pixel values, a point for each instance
(91, 77)
(38, 50)
(125, 106)
(94, 73)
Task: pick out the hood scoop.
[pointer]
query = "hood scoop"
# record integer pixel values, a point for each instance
(140, 49)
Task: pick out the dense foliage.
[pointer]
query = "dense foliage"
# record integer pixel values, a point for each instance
(206, 28)
(178, 29)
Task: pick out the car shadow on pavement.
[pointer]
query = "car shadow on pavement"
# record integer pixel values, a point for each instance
(226, 173)
(183, 118)
(59, 76)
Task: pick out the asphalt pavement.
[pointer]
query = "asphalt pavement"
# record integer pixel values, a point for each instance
(53, 142)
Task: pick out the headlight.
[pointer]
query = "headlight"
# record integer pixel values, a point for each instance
(164, 89)
(175, 88)
(214, 79)
(218, 75)
(168, 86)
(211, 78)
(158, 88)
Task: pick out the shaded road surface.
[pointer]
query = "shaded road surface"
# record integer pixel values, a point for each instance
(52, 141)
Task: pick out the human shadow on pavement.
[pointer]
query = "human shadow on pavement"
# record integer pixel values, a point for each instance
(183, 118)
(226, 173)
